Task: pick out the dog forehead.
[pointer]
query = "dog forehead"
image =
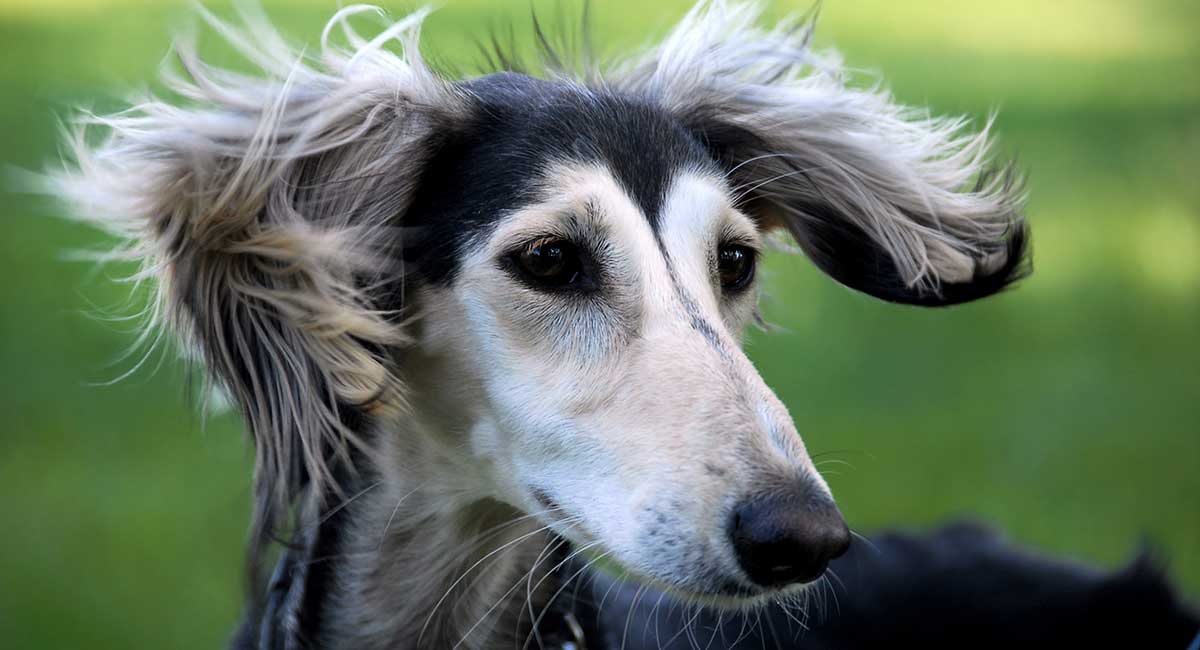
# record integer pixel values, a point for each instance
(643, 145)
(522, 131)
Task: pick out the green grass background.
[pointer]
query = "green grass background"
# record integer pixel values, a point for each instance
(1067, 412)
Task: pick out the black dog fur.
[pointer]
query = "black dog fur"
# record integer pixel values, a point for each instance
(962, 586)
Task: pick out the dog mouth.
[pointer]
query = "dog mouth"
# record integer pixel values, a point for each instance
(727, 592)
(550, 508)
(588, 553)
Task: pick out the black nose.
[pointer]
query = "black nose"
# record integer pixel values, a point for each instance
(787, 537)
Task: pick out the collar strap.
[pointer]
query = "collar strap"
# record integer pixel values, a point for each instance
(279, 627)
(561, 630)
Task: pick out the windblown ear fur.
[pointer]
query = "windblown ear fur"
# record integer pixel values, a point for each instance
(265, 209)
(886, 200)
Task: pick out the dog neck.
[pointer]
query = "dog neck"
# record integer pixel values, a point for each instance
(419, 563)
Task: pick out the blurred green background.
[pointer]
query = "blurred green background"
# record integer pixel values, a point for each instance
(1067, 412)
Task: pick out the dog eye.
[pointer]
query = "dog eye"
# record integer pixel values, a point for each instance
(550, 263)
(735, 266)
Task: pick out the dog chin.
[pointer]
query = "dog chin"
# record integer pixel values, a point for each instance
(732, 594)
(738, 597)
(733, 597)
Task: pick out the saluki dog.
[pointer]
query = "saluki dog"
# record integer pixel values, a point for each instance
(485, 333)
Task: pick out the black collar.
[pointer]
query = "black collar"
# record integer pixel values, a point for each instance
(280, 624)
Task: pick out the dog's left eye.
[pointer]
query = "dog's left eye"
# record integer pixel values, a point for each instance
(550, 263)
(735, 266)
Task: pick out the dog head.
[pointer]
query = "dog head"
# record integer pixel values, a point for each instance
(555, 271)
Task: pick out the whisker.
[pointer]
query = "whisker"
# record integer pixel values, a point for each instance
(757, 158)
(503, 597)
(741, 192)
(529, 591)
(537, 621)
(346, 502)
(457, 581)
(837, 603)
(686, 624)
(871, 545)
(654, 616)
(484, 536)
(400, 502)
(607, 592)
(629, 617)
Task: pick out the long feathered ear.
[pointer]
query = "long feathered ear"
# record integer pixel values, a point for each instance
(885, 199)
(267, 210)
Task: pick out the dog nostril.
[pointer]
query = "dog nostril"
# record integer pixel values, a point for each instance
(780, 540)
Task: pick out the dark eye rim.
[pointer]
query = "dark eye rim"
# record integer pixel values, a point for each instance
(581, 282)
(748, 274)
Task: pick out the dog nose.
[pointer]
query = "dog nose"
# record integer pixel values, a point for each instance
(783, 539)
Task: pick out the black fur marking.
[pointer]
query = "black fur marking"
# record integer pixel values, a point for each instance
(848, 255)
(714, 470)
(694, 314)
(698, 323)
(549, 505)
(959, 587)
(495, 163)
(843, 250)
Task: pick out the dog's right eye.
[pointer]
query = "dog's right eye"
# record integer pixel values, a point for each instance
(550, 263)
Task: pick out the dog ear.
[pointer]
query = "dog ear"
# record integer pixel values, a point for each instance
(884, 199)
(267, 208)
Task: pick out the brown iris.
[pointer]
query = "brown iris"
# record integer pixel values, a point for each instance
(550, 262)
(735, 266)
